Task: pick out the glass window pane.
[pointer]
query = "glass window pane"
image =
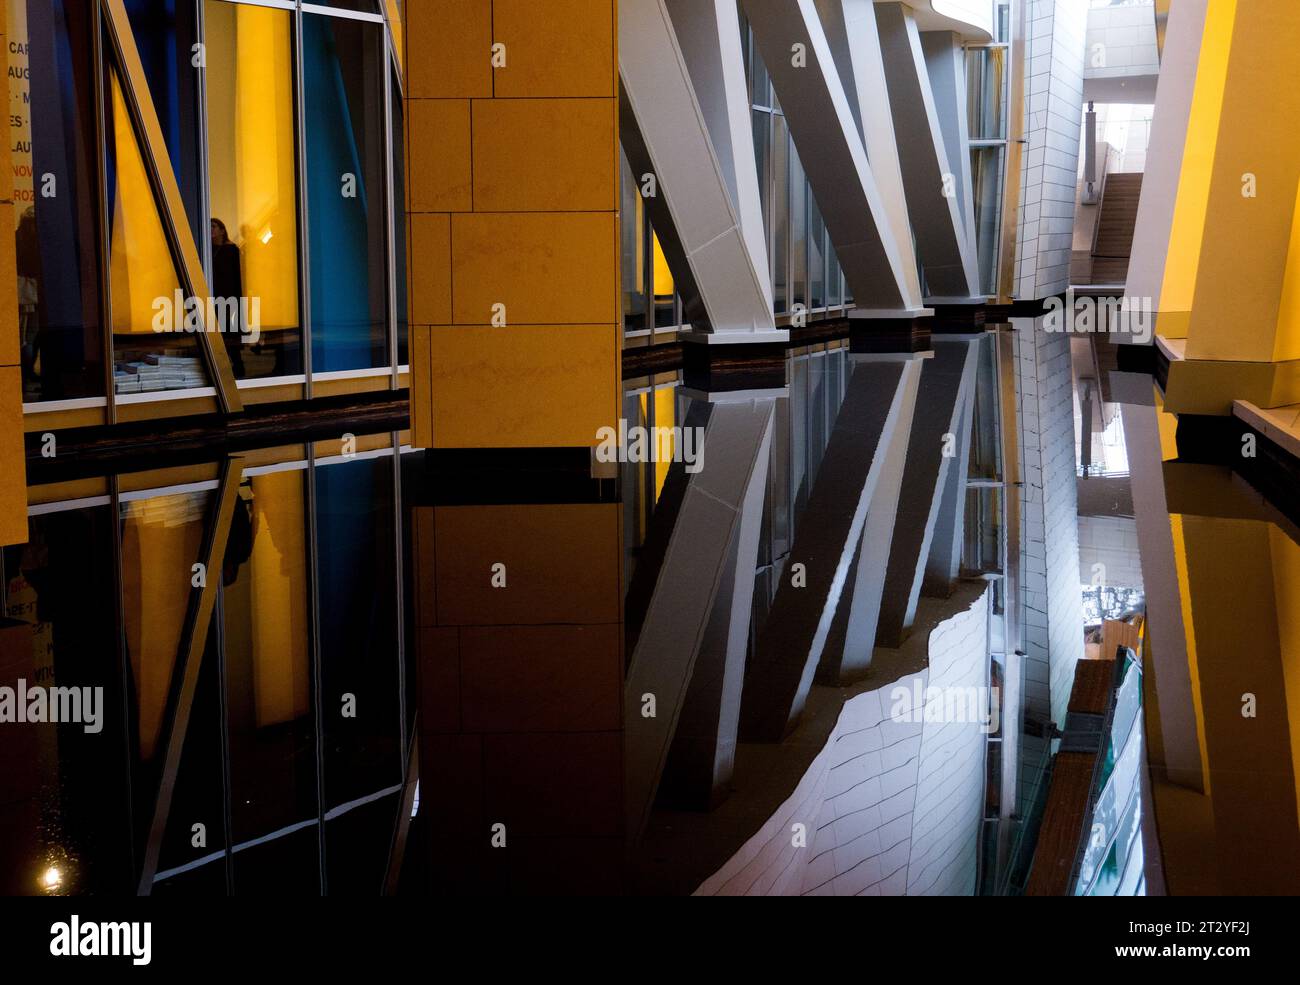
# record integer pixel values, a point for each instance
(199, 796)
(252, 183)
(816, 255)
(986, 180)
(798, 231)
(761, 86)
(833, 293)
(268, 661)
(632, 239)
(986, 86)
(52, 113)
(762, 151)
(162, 537)
(356, 575)
(778, 246)
(343, 66)
(155, 345)
(665, 295)
(985, 448)
(165, 32)
(981, 530)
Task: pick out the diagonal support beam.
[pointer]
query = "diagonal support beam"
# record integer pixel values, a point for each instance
(730, 277)
(876, 408)
(947, 382)
(936, 177)
(797, 53)
(851, 661)
(690, 651)
(171, 207)
(194, 640)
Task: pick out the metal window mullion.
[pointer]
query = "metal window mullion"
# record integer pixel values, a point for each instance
(100, 69)
(313, 629)
(390, 146)
(399, 595)
(304, 233)
(219, 617)
(124, 666)
(205, 163)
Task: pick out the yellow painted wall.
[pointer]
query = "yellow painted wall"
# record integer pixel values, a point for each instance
(1235, 307)
(1194, 180)
(13, 464)
(253, 187)
(513, 200)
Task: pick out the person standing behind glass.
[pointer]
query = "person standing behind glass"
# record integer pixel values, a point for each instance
(228, 283)
(29, 273)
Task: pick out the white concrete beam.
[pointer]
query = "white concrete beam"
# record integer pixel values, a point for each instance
(934, 183)
(732, 281)
(797, 53)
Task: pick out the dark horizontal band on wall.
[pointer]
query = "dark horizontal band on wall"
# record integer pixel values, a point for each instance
(127, 447)
(507, 476)
(1221, 440)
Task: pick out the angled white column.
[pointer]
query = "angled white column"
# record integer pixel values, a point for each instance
(855, 478)
(1167, 648)
(1164, 159)
(797, 53)
(932, 483)
(695, 601)
(943, 563)
(878, 533)
(854, 40)
(945, 63)
(946, 253)
(732, 282)
(709, 34)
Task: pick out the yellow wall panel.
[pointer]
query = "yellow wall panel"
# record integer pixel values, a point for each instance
(557, 48)
(449, 46)
(421, 416)
(439, 152)
(13, 464)
(527, 386)
(430, 280)
(546, 268)
(1198, 163)
(1246, 238)
(544, 154)
(1287, 343)
(8, 289)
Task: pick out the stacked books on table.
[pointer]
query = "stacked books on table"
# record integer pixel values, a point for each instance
(157, 371)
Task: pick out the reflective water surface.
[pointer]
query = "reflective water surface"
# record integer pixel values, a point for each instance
(481, 673)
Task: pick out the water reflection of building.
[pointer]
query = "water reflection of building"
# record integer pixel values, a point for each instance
(643, 677)
(267, 752)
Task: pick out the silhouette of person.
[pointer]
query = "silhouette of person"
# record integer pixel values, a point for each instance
(228, 282)
(29, 273)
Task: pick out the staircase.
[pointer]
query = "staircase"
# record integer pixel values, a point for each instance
(1113, 241)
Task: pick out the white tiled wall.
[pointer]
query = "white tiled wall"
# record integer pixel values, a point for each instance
(1110, 541)
(1121, 42)
(1053, 106)
(891, 808)
(1051, 597)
